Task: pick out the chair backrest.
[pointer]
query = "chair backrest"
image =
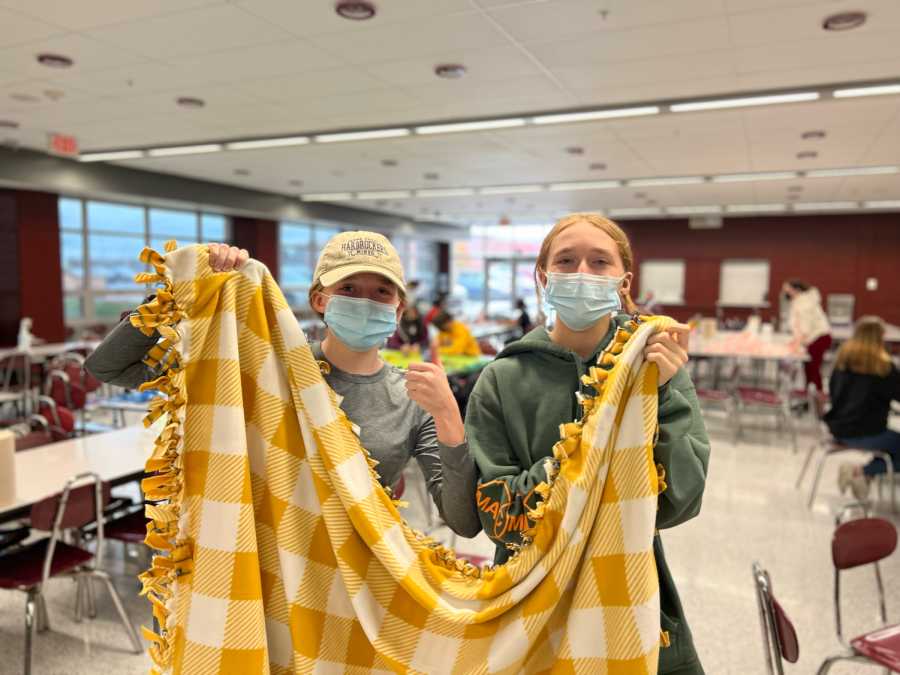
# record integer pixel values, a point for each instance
(779, 636)
(64, 391)
(862, 541)
(59, 416)
(80, 508)
(34, 439)
(487, 348)
(787, 370)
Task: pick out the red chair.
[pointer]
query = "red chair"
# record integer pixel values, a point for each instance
(779, 637)
(41, 433)
(777, 401)
(723, 397)
(69, 390)
(487, 348)
(29, 568)
(864, 541)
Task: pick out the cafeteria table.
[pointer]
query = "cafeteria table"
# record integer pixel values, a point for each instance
(756, 349)
(51, 349)
(452, 364)
(117, 456)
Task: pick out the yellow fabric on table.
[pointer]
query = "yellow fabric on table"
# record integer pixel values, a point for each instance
(283, 553)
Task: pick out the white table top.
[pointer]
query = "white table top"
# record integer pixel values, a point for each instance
(51, 348)
(844, 333)
(732, 343)
(43, 471)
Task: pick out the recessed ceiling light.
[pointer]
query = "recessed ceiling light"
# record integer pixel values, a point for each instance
(241, 172)
(55, 61)
(9, 124)
(812, 135)
(54, 94)
(450, 72)
(188, 102)
(355, 10)
(575, 151)
(807, 154)
(844, 21)
(431, 176)
(295, 183)
(389, 162)
(597, 166)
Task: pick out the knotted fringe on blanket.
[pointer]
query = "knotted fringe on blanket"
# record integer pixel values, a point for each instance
(283, 554)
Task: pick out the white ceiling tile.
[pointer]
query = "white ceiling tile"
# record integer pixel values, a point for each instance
(800, 23)
(209, 29)
(266, 61)
(159, 129)
(135, 79)
(363, 118)
(312, 85)
(86, 14)
(480, 64)
(791, 78)
(837, 49)
(305, 18)
(16, 28)
(9, 78)
(216, 97)
(88, 54)
(27, 98)
(868, 187)
(562, 18)
(648, 71)
(511, 106)
(411, 39)
(637, 43)
(63, 117)
(674, 89)
(376, 101)
(453, 91)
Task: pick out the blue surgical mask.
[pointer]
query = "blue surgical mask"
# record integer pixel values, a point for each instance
(358, 323)
(581, 300)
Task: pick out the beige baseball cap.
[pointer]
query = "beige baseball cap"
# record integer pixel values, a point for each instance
(350, 253)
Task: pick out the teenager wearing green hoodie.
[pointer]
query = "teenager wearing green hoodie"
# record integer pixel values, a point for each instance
(519, 401)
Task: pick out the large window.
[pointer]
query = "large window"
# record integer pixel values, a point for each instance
(494, 268)
(100, 243)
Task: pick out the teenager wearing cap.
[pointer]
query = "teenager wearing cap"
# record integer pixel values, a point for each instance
(358, 291)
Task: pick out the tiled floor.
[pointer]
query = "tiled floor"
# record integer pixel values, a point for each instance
(751, 511)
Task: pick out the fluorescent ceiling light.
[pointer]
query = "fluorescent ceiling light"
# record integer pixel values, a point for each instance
(883, 204)
(327, 197)
(679, 210)
(675, 180)
(740, 177)
(185, 150)
(471, 126)
(639, 211)
(267, 143)
(111, 156)
(595, 115)
(742, 102)
(858, 171)
(361, 135)
(753, 208)
(384, 194)
(445, 192)
(868, 91)
(510, 189)
(824, 206)
(587, 185)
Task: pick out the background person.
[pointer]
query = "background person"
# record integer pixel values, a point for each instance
(411, 333)
(810, 326)
(521, 398)
(454, 339)
(862, 386)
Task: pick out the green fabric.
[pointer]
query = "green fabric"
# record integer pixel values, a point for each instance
(512, 423)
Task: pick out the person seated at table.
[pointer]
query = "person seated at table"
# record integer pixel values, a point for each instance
(411, 333)
(454, 338)
(650, 306)
(862, 386)
(438, 305)
(401, 414)
(810, 326)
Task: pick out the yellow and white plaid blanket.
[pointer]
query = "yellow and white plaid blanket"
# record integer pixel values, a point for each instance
(281, 552)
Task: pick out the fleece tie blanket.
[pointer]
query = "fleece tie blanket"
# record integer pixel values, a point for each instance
(279, 552)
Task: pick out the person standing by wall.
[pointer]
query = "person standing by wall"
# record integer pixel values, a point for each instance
(810, 326)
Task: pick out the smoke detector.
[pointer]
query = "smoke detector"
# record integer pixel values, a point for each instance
(844, 21)
(55, 61)
(450, 72)
(355, 10)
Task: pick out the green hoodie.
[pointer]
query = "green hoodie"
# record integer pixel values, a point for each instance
(512, 423)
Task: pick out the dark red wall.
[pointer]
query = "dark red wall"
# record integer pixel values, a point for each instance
(29, 255)
(836, 253)
(260, 238)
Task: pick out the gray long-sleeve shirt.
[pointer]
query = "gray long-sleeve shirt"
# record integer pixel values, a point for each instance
(392, 427)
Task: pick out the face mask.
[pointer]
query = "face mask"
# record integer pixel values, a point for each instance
(358, 323)
(581, 300)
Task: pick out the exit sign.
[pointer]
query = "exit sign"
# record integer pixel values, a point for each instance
(57, 144)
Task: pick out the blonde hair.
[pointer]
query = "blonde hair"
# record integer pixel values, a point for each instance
(601, 223)
(317, 287)
(864, 353)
